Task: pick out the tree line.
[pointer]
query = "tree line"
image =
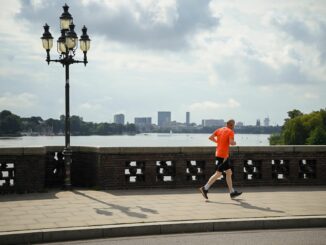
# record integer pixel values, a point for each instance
(302, 129)
(13, 125)
(298, 128)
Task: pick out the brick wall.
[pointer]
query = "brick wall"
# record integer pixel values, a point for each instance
(22, 170)
(192, 166)
(35, 169)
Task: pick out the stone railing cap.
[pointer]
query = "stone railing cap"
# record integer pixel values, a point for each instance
(162, 150)
(261, 149)
(23, 151)
(309, 148)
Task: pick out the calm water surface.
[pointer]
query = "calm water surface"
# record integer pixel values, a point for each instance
(133, 140)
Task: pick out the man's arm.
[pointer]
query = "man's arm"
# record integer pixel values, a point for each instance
(213, 138)
(232, 142)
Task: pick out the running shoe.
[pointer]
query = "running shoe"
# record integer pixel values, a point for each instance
(235, 194)
(203, 192)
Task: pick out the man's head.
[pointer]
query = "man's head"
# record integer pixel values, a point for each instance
(230, 124)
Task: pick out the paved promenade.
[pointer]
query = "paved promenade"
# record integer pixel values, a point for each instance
(78, 214)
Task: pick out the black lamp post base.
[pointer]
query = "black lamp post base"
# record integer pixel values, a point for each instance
(67, 153)
(66, 188)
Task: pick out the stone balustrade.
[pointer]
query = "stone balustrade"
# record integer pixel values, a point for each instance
(33, 169)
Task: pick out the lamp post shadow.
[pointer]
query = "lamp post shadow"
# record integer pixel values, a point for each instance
(122, 209)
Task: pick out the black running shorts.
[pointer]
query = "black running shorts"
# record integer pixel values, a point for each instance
(222, 165)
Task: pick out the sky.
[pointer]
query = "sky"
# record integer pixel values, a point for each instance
(217, 59)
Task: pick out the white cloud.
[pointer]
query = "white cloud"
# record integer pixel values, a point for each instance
(18, 101)
(95, 110)
(97, 104)
(148, 25)
(309, 95)
(37, 4)
(211, 105)
(154, 54)
(90, 107)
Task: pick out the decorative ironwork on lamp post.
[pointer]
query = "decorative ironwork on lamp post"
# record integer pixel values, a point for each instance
(66, 47)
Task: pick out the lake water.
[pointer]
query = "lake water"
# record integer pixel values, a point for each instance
(150, 140)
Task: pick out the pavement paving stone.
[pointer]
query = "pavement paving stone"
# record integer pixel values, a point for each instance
(49, 215)
(45, 225)
(14, 213)
(80, 207)
(71, 223)
(31, 217)
(78, 218)
(94, 222)
(14, 227)
(5, 210)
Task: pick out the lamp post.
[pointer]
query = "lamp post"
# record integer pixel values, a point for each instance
(66, 47)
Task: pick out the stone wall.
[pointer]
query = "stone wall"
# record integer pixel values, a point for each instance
(22, 169)
(39, 168)
(192, 166)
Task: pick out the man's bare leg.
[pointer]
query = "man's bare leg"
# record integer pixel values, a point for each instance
(233, 193)
(229, 180)
(212, 179)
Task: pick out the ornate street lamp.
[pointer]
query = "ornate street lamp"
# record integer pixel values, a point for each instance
(66, 47)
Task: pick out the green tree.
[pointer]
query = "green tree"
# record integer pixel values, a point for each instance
(317, 137)
(276, 139)
(102, 129)
(34, 124)
(294, 113)
(295, 133)
(5, 113)
(302, 129)
(56, 125)
(76, 124)
(10, 124)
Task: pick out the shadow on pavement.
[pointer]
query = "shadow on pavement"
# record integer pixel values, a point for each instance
(12, 197)
(123, 209)
(243, 204)
(52, 193)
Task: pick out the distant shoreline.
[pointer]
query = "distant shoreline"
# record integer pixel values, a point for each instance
(138, 140)
(11, 135)
(60, 135)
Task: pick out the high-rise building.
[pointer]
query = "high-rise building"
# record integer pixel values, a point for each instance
(266, 122)
(239, 124)
(143, 124)
(119, 119)
(164, 118)
(258, 123)
(143, 121)
(187, 118)
(213, 122)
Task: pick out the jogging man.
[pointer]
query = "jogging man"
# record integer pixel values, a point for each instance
(223, 137)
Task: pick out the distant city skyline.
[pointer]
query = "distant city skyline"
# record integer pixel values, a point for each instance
(216, 59)
(164, 118)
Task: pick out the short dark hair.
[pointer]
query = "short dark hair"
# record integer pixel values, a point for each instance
(230, 122)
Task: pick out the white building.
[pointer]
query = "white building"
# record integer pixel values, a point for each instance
(213, 123)
(119, 119)
(266, 122)
(163, 118)
(187, 118)
(143, 123)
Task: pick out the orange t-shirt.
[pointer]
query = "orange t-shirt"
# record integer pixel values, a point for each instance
(223, 141)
